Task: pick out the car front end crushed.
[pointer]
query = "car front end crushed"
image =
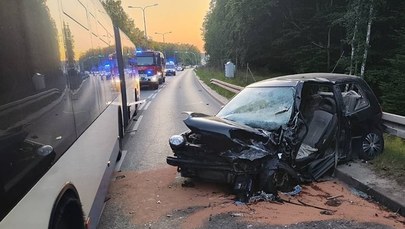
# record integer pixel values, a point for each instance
(223, 151)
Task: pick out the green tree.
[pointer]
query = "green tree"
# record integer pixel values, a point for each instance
(127, 25)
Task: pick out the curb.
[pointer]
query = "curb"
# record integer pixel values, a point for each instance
(379, 194)
(219, 98)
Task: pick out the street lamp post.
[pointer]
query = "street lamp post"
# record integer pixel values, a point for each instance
(144, 17)
(163, 35)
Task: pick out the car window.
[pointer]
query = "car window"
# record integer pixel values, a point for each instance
(264, 108)
(354, 98)
(317, 96)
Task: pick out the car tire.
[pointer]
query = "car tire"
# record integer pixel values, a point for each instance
(156, 86)
(371, 145)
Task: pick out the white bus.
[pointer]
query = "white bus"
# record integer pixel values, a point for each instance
(60, 111)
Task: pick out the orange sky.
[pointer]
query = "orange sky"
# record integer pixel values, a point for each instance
(183, 18)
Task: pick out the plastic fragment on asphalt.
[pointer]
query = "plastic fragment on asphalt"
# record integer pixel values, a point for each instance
(297, 190)
(359, 193)
(262, 196)
(237, 214)
(239, 203)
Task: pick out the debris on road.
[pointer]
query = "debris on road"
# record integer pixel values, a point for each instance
(297, 190)
(119, 177)
(236, 214)
(334, 197)
(334, 202)
(193, 207)
(326, 212)
(262, 196)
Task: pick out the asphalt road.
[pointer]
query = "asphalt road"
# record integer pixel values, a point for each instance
(146, 147)
(146, 144)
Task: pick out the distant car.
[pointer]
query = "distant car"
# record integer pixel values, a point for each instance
(170, 70)
(179, 68)
(281, 132)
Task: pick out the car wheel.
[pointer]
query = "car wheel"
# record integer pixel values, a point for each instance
(156, 86)
(372, 145)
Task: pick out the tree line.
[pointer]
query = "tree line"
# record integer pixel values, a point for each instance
(360, 37)
(179, 53)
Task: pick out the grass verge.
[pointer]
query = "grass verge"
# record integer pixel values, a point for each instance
(206, 74)
(391, 163)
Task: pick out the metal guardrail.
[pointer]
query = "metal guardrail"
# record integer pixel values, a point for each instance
(395, 124)
(230, 87)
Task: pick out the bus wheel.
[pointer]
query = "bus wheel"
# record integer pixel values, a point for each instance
(69, 214)
(136, 105)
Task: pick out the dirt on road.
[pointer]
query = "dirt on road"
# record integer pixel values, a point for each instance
(151, 197)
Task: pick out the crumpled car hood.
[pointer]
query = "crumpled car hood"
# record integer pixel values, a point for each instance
(202, 123)
(221, 135)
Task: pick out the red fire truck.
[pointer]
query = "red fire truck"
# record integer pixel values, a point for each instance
(151, 66)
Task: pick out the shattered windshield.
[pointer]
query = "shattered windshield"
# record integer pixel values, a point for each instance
(266, 108)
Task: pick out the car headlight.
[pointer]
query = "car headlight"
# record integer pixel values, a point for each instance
(176, 141)
(153, 78)
(159, 73)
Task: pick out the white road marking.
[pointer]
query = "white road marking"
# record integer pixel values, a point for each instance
(154, 96)
(147, 105)
(118, 165)
(150, 96)
(138, 102)
(141, 107)
(136, 126)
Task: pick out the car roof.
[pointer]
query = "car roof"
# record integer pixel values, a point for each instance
(293, 80)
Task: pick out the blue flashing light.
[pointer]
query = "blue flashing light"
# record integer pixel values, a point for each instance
(149, 73)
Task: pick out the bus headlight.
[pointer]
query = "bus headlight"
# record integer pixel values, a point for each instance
(176, 141)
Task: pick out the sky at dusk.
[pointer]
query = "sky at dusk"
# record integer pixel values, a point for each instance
(183, 18)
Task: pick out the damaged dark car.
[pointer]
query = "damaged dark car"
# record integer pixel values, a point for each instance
(281, 132)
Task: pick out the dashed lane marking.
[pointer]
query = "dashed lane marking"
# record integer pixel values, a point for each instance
(147, 105)
(141, 107)
(136, 126)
